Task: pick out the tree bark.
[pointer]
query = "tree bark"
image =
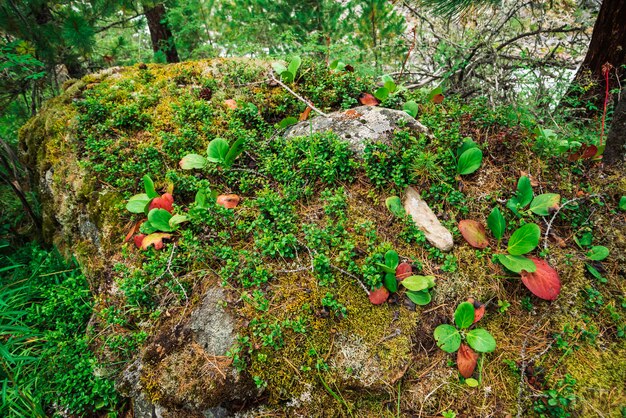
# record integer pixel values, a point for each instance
(160, 33)
(615, 150)
(608, 45)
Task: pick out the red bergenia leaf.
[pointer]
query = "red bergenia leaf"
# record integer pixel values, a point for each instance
(229, 201)
(589, 152)
(379, 296)
(466, 359)
(155, 239)
(544, 282)
(305, 115)
(165, 201)
(403, 271)
(437, 98)
(138, 239)
(479, 309)
(367, 99)
(474, 233)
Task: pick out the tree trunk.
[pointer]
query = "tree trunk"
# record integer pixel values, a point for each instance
(616, 141)
(608, 45)
(160, 33)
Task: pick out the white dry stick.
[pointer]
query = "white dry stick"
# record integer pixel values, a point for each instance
(296, 95)
(545, 238)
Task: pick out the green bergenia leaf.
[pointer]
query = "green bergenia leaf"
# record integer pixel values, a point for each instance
(524, 240)
(448, 338)
(464, 315)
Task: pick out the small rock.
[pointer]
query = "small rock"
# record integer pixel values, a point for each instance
(426, 220)
(212, 325)
(359, 126)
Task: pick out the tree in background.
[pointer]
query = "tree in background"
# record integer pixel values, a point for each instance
(378, 29)
(160, 33)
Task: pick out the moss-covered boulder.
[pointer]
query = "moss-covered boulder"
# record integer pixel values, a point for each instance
(263, 308)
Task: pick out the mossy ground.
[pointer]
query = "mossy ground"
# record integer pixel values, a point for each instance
(312, 221)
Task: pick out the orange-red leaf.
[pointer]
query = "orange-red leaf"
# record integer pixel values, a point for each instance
(403, 271)
(165, 201)
(229, 201)
(231, 104)
(155, 239)
(479, 309)
(437, 98)
(138, 239)
(474, 233)
(305, 115)
(466, 359)
(367, 99)
(379, 296)
(133, 230)
(589, 152)
(544, 282)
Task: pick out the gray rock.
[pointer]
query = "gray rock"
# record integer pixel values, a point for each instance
(359, 126)
(426, 220)
(212, 326)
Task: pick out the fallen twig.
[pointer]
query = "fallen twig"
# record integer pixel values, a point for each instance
(296, 95)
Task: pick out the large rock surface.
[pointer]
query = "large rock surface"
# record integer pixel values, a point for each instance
(360, 126)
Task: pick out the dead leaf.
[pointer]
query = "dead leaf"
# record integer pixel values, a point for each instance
(165, 201)
(437, 98)
(231, 104)
(352, 114)
(155, 239)
(544, 282)
(403, 271)
(367, 99)
(474, 233)
(305, 115)
(379, 296)
(589, 152)
(466, 359)
(479, 309)
(133, 230)
(229, 201)
(138, 239)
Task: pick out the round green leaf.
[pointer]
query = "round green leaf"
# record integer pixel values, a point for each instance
(294, 65)
(471, 382)
(517, 263)
(390, 282)
(394, 204)
(160, 219)
(622, 203)
(392, 260)
(381, 94)
(448, 338)
(288, 121)
(177, 220)
(148, 185)
(524, 240)
(598, 253)
(191, 161)
(217, 150)
(416, 283)
(464, 315)
(542, 204)
(481, 341)
(411, 108)
(287, 76)
(496, 223)
(138, 203)
(524, 191)
(469, 161)
(419, 298)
